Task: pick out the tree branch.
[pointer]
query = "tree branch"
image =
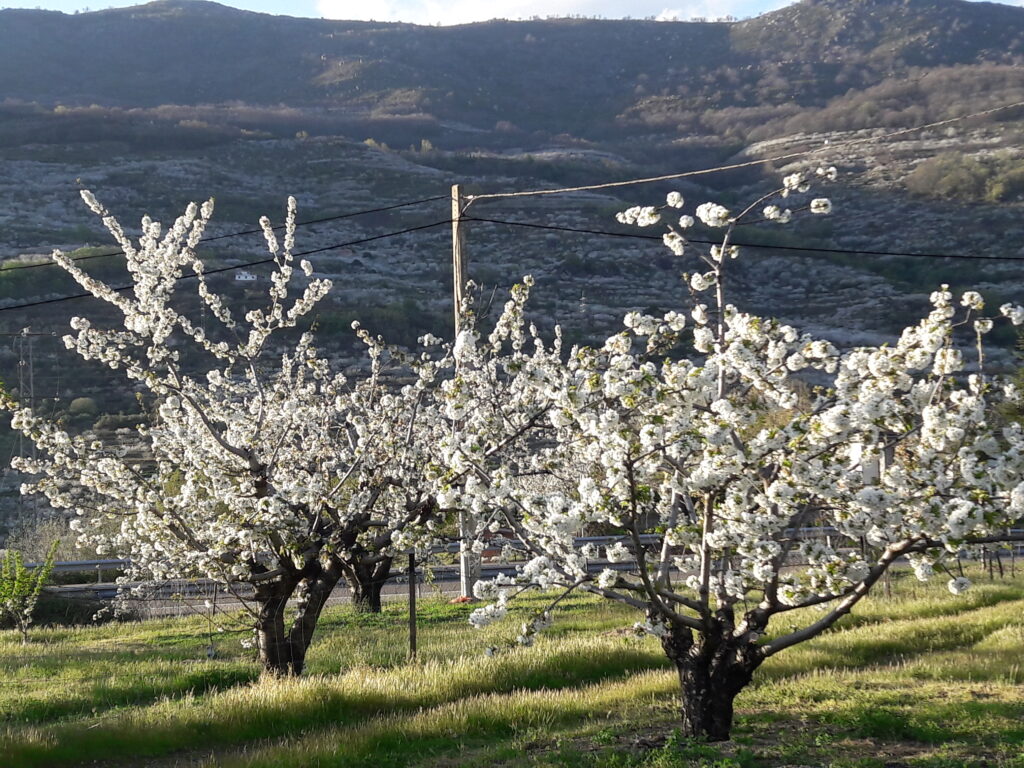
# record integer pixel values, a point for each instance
(852, 598)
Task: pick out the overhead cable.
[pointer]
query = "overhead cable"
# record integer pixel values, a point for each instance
(797, 248)
(239, 266)
(309, 222)
(746, 164)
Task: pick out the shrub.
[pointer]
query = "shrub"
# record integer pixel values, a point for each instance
(949, 176)
(20, 588)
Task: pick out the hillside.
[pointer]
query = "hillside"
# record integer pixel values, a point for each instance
(589, 78)
(157, 105)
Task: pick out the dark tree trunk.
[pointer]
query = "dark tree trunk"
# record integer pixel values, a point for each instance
(712, 671)
(283, 650)
(366, 578)
(276, 651)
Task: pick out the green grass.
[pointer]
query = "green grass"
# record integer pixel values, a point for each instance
(924, 680)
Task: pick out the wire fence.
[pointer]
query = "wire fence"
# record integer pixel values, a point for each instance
(246, 265)
(278, 227)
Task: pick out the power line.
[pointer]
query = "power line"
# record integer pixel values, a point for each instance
(552, 227)
(810, 249)
(547, 227)
(336, 217)
(375, 237)
(747, 164)
(309, 222)
(239, 266)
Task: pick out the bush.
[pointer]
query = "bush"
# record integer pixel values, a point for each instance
(20, 588)
(83, 406)
(1008, 185)
(951, 176)
(60, 610)
(955, 176)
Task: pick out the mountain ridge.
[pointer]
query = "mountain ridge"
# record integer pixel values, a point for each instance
(583, 76)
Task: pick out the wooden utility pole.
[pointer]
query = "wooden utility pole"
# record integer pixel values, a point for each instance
(458, 257)
(469, 561)
(412, 605)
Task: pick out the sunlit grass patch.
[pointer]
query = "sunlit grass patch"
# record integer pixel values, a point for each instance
(277, 708)
(400, 740)
(881, 703)
(921, 679)
(895, 640)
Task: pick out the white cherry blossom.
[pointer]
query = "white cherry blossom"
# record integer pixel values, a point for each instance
(707, 468)
(266, 472)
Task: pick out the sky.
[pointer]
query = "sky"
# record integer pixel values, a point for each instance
(464, 11)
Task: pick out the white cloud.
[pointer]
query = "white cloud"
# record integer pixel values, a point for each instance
(464, 11)
(668, 14)
(434, 11)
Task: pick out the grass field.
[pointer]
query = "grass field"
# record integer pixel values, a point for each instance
(922, 679)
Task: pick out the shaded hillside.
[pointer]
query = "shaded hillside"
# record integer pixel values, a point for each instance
(885, 33)
(591, 78)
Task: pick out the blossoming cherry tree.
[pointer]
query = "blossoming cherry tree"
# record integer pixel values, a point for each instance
(264, 472)
(709, 469)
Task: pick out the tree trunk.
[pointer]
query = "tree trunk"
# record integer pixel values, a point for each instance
(276, 650)
(318, 590)
(366, 578)
(283, 650)
(712, 671)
